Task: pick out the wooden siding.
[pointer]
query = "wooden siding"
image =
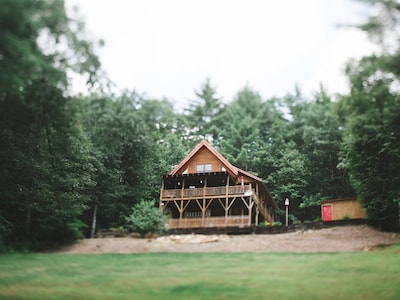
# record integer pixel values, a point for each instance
(203, 156)
(344, 208)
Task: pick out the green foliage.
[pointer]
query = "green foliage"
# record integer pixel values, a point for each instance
(38, 39)
(372, 141)
(120, 143)
(316, 131)
(45, 170)
(240, 129)
(146, 218)
(66, 162)
(5, 230)
(202, 115)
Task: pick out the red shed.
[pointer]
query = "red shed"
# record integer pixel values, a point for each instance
(339, 209)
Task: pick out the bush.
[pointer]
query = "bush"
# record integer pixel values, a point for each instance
(294, 220)
(146, 218)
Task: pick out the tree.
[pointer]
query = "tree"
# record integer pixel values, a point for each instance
(38, 39)
(239, 130)
(316, 129)
(146, 218)
(168, 138)
(45, 169)
(372, 142)
(202, 114)
(121, 144)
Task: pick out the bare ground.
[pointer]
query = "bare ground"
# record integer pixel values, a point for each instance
(335, 239)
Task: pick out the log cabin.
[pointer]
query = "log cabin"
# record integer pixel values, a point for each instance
(205, 190)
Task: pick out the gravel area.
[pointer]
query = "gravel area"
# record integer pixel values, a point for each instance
(335, 239)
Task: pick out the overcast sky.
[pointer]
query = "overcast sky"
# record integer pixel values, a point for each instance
(168, 47)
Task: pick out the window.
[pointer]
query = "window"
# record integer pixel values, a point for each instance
(203, 168)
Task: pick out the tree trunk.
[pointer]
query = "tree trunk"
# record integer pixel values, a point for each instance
(28, 220)
(93, 231)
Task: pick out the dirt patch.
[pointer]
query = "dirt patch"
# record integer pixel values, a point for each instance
(335, 239)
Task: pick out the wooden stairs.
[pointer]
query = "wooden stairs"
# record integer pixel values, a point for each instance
(261, 208)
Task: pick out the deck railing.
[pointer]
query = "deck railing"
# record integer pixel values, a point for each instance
(242, 220)
(200, 192)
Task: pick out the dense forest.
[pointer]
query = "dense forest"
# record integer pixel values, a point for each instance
(67, 160)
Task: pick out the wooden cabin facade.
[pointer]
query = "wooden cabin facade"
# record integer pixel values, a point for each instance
(205, 190)
(340, 209)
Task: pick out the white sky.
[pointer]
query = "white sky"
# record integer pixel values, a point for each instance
(169, 47)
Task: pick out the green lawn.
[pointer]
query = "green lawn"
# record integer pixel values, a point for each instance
(362, 275)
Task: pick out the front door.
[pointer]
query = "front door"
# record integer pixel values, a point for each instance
(327, 213)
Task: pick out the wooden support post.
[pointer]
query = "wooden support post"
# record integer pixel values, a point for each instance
(203, 210)
(163, 205)
(226, 211)
(251, 204)
(181, 208)
(161, 193)
(226, 199)
(180, 213)
(257, 212)
(182, 189)
(204, 187)
(225, 207)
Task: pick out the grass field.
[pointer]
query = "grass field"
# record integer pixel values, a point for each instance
(360, 275)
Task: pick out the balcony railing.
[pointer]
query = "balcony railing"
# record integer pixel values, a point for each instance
(210, 222)
(204, 192)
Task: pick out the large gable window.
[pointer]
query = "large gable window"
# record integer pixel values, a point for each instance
(203, 168)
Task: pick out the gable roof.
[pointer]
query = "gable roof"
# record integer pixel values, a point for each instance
(229, 167)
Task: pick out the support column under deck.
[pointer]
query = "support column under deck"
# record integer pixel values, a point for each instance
(226, 200)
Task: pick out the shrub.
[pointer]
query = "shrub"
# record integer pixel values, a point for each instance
(146, 218)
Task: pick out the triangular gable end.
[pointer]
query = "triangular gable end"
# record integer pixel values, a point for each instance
(180, 168)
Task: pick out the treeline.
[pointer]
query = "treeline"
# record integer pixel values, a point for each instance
(72, 165)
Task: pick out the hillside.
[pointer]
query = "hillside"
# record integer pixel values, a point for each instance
(335, 239)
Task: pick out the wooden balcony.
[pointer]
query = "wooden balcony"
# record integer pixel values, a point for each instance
(206, 192)
(239, 221)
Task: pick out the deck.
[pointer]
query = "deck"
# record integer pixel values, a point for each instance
(231, 221)
(231, 206)
(206, 192)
